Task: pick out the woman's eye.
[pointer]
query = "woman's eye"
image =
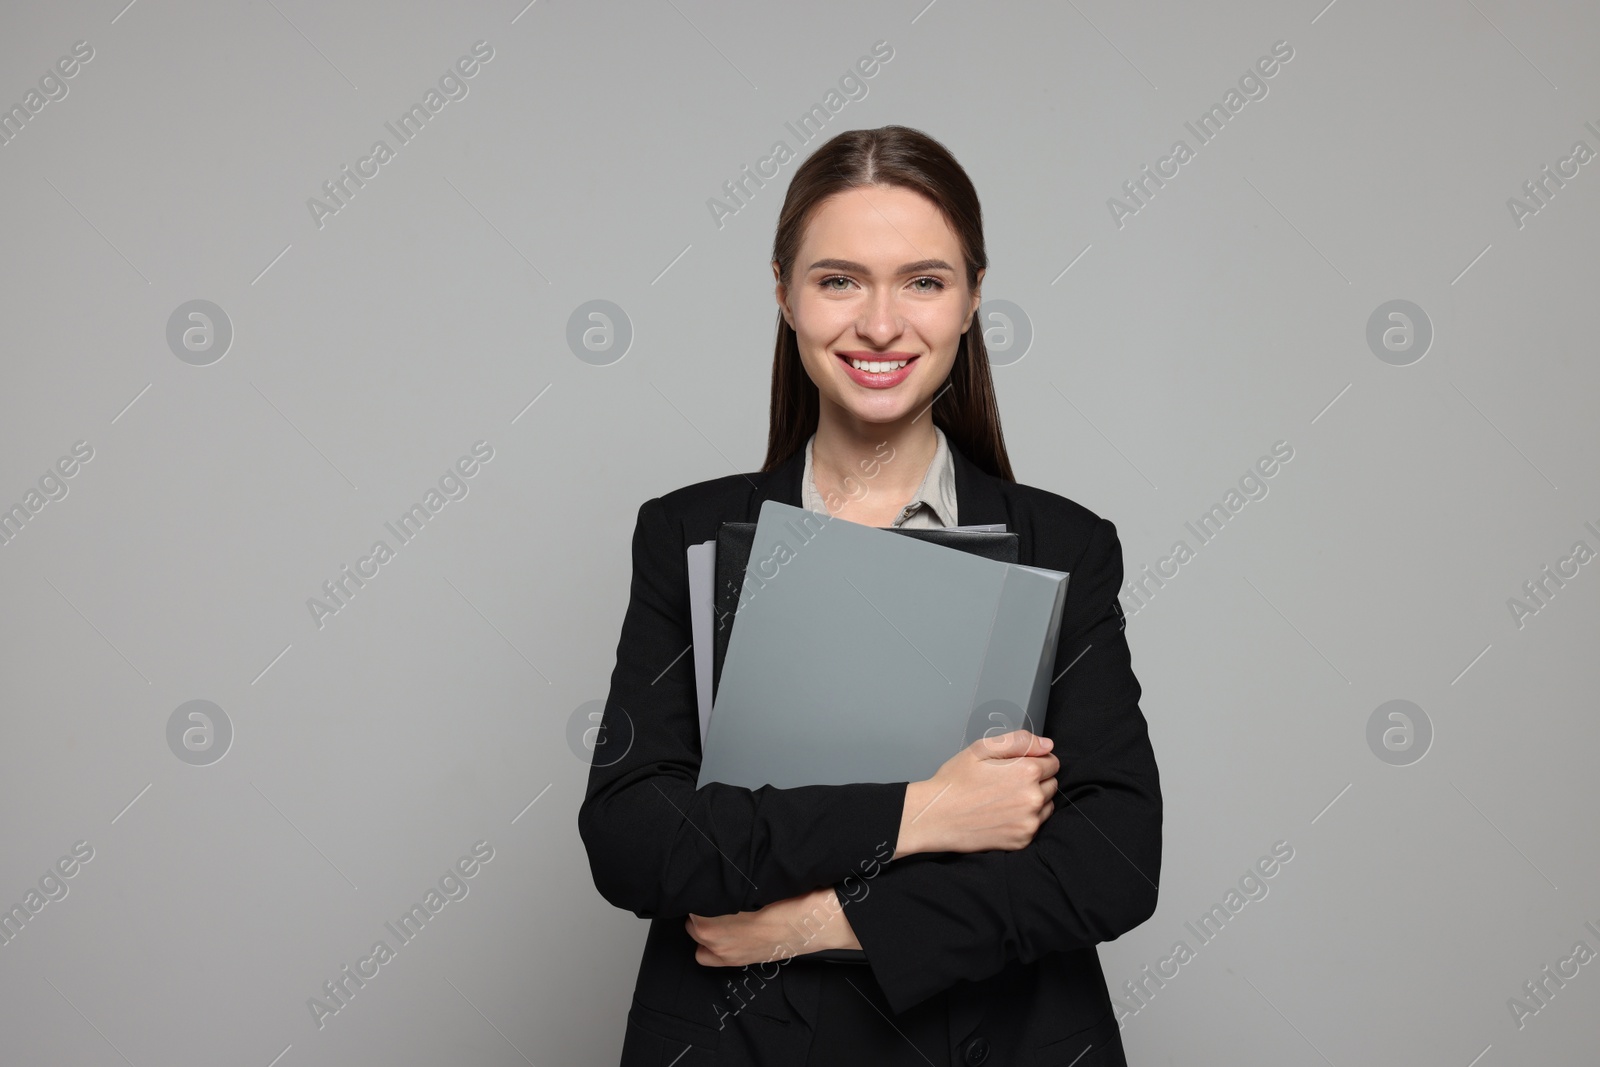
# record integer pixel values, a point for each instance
(937, 284)
(833, 278)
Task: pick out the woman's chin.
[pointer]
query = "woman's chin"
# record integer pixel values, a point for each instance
(884, 414)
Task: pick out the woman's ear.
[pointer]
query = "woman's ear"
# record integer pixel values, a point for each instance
(978, 299)
(781, 292)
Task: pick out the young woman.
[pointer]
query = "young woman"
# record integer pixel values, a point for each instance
(976, 896)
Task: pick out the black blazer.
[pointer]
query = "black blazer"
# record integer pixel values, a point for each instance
(1010, 935)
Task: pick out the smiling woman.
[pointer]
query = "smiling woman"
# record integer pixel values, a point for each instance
(976, 934)
(877, 311)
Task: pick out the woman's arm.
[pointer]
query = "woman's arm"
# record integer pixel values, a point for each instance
(1089, 874)
(656, 844)
(982, 804)
(794, 926)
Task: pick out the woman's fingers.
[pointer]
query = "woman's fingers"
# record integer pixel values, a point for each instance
(1011, 745)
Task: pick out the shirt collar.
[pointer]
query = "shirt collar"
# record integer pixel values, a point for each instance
(937, 491)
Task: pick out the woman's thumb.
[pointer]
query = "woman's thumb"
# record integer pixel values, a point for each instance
(1013, 744)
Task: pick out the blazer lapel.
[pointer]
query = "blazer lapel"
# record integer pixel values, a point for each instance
(979, 501)
(782, 484)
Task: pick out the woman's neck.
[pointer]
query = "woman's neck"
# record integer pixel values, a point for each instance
(874, 466)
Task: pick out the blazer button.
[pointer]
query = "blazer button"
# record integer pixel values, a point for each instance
(977, 1051)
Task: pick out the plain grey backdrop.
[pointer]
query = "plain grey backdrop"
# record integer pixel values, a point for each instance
(224, 381)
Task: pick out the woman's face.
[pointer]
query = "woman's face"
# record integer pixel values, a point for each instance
(879, 277)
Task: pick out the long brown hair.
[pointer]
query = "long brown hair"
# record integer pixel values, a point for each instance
(966, 410)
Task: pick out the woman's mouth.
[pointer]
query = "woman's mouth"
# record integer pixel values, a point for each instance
(877, 370)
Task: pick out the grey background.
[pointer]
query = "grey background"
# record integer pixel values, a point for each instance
(432, 312)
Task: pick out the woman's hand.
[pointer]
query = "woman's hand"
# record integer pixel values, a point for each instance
(784, 928)
(993, 794)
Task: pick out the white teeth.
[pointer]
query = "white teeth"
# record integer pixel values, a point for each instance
(878, 367)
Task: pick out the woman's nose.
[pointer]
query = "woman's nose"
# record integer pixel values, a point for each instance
(881, 318)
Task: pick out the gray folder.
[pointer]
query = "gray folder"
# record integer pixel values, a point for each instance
(865, 656)
(702, 563)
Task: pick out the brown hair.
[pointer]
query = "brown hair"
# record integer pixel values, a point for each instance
(965, 407)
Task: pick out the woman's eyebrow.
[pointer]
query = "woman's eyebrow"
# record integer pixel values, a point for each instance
(908, 268)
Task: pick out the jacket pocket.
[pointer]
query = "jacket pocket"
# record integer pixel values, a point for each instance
(1097, 1045)
(641, 1048)
(670, 1027)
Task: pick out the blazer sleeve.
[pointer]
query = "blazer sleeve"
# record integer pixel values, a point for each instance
(1090, 873)
(659, 846)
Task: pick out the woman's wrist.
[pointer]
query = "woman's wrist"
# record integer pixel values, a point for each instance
(916, 824)
(841, 934)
